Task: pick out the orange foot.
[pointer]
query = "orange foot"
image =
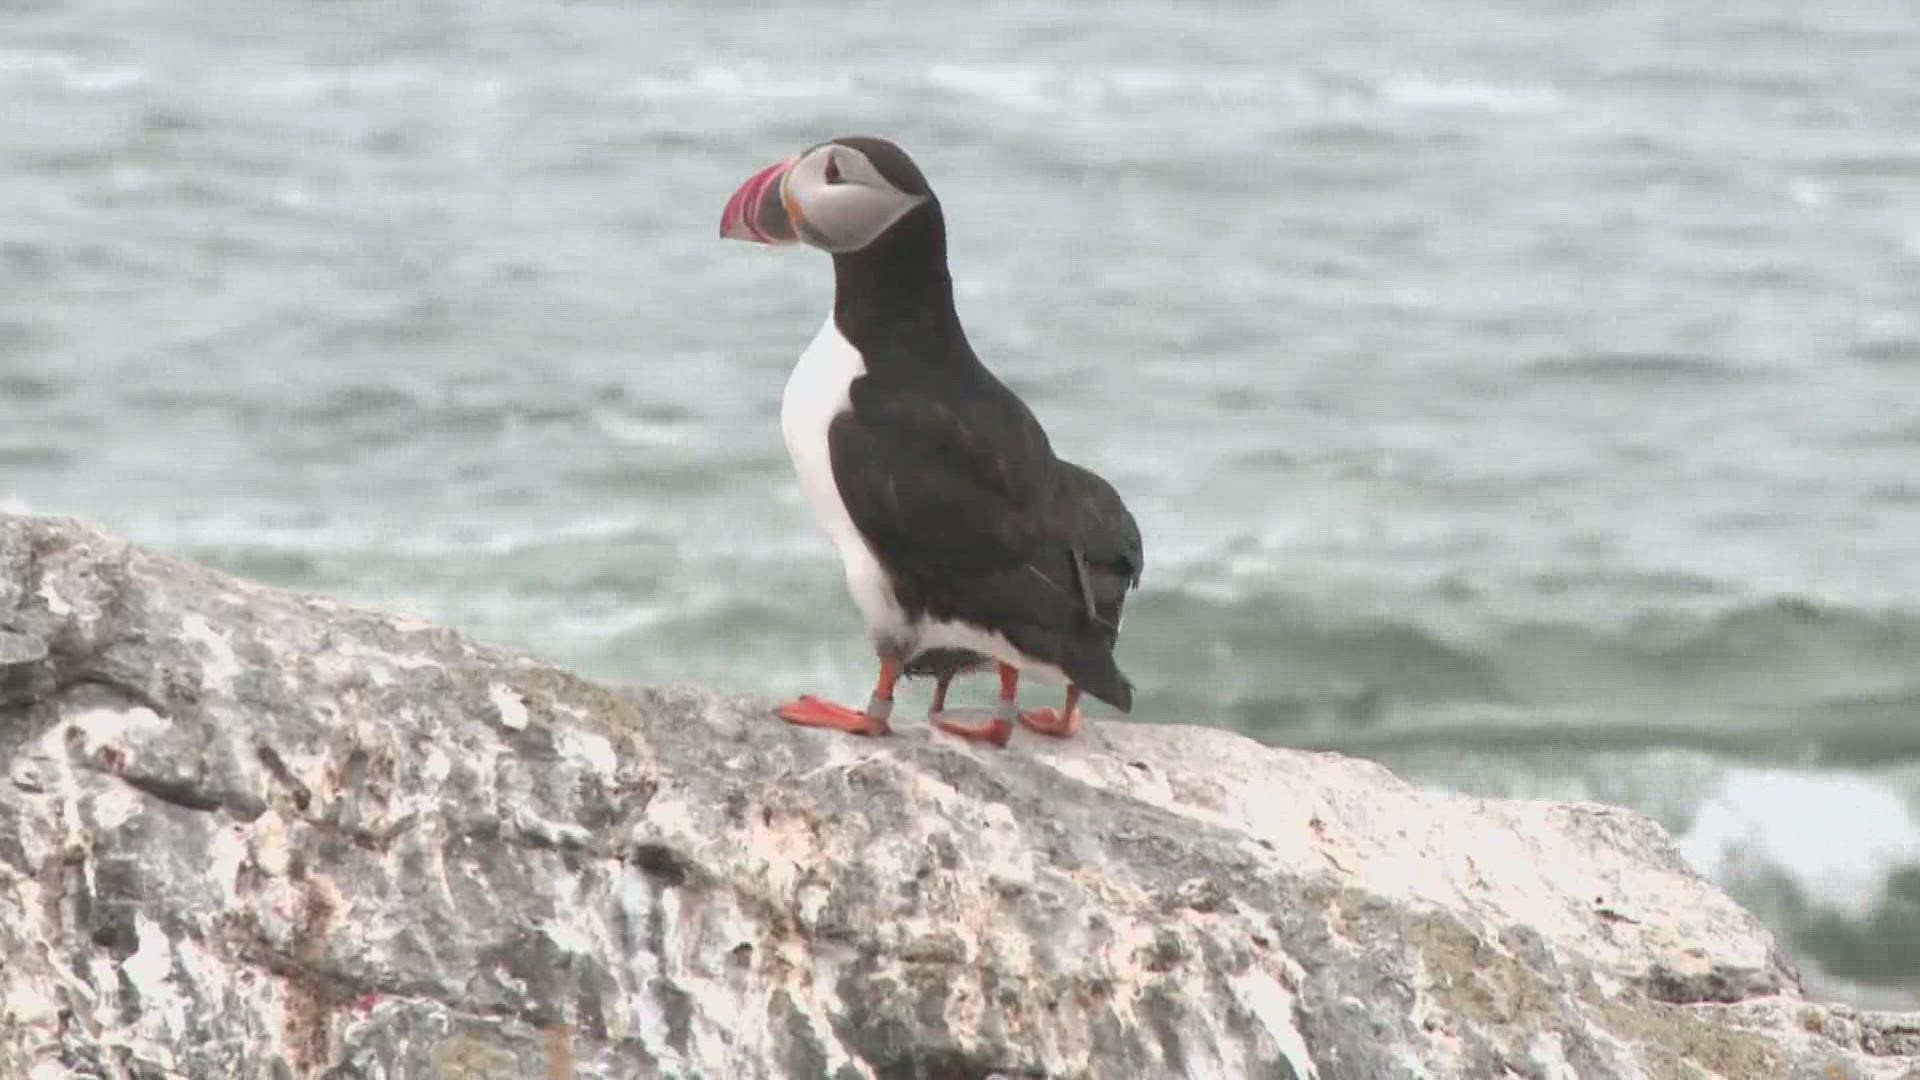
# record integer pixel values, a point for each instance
(810, 711)
(1059, 723)
(996, 730)
(1050, 722)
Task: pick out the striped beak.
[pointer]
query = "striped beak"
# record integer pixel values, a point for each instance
(758, 209)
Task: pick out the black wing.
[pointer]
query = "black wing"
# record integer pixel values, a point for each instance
(1107, 551)
(944, 482)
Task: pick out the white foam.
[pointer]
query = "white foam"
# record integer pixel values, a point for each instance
(1041, 89)
(1038, 89)
(1022, 89)
(1837, 835)
(358, 537)
(745, 81)
(310, 83)
(1418, 93)
(638, 431)
(72, 72)
(589, 528)
(1809, 192)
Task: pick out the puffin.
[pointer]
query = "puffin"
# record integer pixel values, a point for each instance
(964, 540)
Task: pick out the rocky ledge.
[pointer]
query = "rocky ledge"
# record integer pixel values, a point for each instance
(247, 833)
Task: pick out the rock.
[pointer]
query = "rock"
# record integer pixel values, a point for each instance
(247, 833)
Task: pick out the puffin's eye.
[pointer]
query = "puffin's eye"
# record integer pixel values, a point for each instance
(833, 170)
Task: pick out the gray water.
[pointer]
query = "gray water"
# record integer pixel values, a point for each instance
(1525, 395)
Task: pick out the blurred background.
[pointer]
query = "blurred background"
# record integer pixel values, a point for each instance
(1524, 394)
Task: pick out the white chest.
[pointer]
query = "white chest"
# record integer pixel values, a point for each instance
(817, 391)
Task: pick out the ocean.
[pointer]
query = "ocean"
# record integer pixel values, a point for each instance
(1523, 394)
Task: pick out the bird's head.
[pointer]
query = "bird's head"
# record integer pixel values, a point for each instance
(839, 196)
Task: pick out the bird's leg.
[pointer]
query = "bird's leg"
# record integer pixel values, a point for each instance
(810, 711)
(939, 703)
(999, 729)
(1057, 724)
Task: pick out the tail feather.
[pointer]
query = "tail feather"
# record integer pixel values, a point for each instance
(1092, 668)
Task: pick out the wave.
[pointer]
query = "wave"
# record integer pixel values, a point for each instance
(1779, 678)
(26, 387)
(1891, 165)
(378, 81)
(1891, 350)
(292, 84)
(34, 455)
(723, 82)
(1445, 96)
(1639, 368)
(1769, 836)
(1815, 734)
(1044, 90)
(71, 72)
(1313, 92)
(1775, 637)
(1120, 93)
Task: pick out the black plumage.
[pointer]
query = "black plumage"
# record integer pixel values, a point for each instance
(1107, 560)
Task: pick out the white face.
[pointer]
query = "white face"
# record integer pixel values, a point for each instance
(839, 202)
